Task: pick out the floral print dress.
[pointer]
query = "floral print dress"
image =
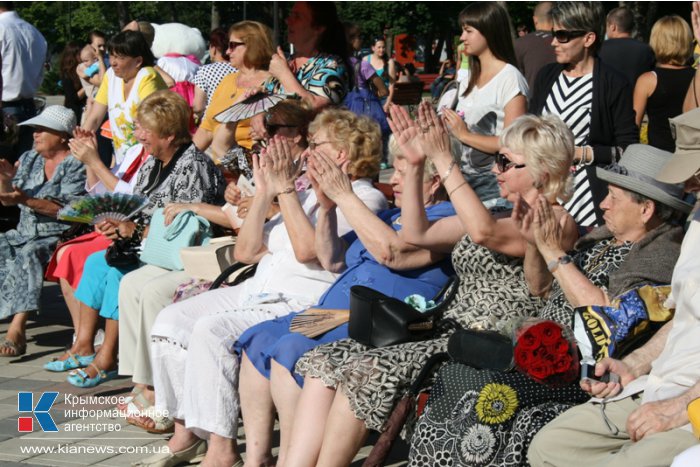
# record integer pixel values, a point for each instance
(488, 418)
(25, 251)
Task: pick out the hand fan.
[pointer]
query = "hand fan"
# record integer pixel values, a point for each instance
(93, 209)
(255, 104)
(315, 321)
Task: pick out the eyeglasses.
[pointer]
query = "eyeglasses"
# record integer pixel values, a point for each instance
(314, 144)
(273, 128)
(233, 44)
(563, 35)
(504, 164)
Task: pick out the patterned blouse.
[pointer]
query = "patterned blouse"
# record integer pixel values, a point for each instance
(324, 75)
(193, 179)
(67, 183)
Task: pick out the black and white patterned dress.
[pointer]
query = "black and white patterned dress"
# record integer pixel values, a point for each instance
(488, 418)
(571, 99)
(492, 288)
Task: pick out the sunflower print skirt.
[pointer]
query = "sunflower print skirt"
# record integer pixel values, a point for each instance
(485, 418)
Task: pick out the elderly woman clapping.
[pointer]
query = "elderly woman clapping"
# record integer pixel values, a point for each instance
(177, 172)
(42, 180)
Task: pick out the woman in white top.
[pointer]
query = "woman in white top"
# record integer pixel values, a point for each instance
(194, 372)
(494, 95)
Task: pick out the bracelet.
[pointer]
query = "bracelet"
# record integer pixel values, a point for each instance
(449, 170)
(449, 195)
(554, 264)
(287, 191)
(592, 157)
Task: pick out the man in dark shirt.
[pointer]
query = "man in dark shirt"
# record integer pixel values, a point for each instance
(534, 50)
(620, 51)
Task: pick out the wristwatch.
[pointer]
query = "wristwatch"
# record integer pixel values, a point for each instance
(554, 264)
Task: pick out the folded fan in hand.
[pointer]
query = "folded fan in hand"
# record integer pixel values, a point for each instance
(315, 321)
(255, 104)
(93, 209)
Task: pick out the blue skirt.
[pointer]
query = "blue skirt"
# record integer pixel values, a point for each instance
(272, 340)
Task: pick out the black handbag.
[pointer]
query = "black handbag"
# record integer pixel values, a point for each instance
(377, 320)
(481, 349)
(123, 252)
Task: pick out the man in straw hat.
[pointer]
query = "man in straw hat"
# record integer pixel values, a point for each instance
(643, 420)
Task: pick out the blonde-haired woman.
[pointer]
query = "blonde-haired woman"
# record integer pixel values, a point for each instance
(249, 51)
(350, 388)
(194, 373)
(660, 93)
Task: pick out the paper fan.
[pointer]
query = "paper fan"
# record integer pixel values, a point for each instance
(250, 107)
(93, 209)
(315, 321)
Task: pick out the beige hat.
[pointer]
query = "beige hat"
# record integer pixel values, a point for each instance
(636, 171)
(686, 160)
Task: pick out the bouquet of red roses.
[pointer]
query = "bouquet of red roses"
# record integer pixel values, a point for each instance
(546, 352)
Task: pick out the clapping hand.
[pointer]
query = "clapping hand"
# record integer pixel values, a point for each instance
(457, 126)
(548, 231)
(7, 170)
(324, 173)
(406, 134)
(83, 146)
(14, 197)
(282, 170)
(433, 137)
(522, 215)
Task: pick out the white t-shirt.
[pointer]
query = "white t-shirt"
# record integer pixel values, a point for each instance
(119, 170)
(484, 111)
(279, 276)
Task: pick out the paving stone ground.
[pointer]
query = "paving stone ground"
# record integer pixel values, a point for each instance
(109, 446)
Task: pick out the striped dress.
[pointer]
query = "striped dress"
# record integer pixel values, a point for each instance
(571, 99)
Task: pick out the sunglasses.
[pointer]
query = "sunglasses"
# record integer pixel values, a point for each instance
(273, 128)
(563, 35)
(233, 44)
(504, 164)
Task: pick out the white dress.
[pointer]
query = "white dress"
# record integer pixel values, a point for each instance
(194, 372)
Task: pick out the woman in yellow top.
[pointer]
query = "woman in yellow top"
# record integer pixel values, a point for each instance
(129, 81)
(249, 49)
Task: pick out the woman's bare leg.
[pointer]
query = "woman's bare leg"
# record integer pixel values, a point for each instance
(71, 302)
(17, 332)
(258, 413)
(304, 440)
(344, 434)
(285, 395)
(221, 452)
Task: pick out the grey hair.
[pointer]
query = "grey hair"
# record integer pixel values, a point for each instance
(581, 16)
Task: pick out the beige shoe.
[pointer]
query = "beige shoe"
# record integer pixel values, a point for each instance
(192, 454)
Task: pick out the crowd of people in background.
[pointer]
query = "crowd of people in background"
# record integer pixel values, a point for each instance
(524, 186)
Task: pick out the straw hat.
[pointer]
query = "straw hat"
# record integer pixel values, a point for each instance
(636, 171)
(686, 160)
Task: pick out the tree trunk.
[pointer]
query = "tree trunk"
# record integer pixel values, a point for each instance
(123, 13)
(215, 16)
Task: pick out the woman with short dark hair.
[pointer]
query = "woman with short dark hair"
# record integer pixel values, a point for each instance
(593, 100)
(130, 79)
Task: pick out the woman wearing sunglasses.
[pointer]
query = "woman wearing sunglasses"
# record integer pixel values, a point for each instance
(249, 50)
(593, 100)
(349, 388)
(493, 97)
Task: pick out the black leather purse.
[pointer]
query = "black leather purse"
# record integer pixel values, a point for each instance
(377, 320)
(123, 252)
(481, 349)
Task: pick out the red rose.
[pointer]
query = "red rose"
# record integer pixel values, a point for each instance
(563, 363)
(560, 348)
(550, 332)
(529, 340)
(522, 357)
